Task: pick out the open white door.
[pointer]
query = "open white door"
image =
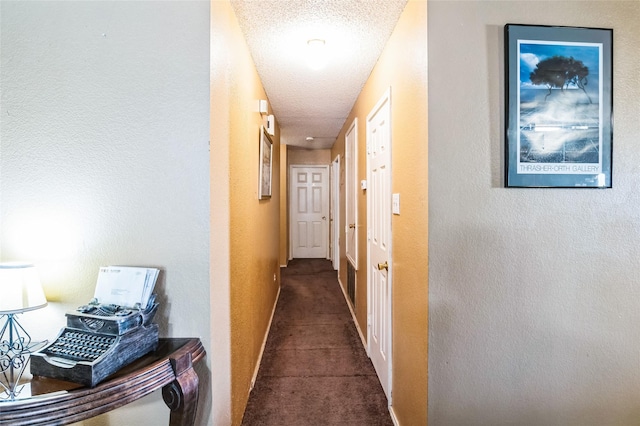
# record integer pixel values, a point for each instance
(309, 211)
(379, 239)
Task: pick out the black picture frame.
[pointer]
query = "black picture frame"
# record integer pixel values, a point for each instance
(558, 106)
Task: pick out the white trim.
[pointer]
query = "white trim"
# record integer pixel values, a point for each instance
(264, 343)
(351, 189)
(335, 213)
(394, 419)
(353, 316)
(392, 413)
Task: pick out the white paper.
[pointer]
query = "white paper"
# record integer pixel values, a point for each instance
(125, 285)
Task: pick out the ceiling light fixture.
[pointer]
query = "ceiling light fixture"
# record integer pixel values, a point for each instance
(316, 54)
(309, 139)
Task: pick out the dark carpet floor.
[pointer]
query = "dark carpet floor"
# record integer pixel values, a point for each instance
(315, 370)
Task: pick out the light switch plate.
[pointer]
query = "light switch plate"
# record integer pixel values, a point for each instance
(395, 203)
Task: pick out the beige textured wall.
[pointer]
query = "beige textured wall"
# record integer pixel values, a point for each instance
(254, 225)
(104, 142)
(402, 67)
(309, 156)
(533, 292)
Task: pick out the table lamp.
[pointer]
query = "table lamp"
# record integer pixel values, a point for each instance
(20, 291)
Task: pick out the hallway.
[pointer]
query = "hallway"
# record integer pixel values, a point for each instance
(314, 370)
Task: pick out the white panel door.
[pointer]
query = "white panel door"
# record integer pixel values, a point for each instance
(309, 211)
(379, 239)
(351, 193)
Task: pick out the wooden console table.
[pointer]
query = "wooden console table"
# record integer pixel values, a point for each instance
(57, 402)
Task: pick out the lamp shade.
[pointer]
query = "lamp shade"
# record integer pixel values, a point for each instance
(20, 288)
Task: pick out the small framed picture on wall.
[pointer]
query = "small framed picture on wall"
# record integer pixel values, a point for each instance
(266, 160)
(559, 102)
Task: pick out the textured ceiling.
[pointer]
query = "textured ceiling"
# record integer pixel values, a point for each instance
(310, 103)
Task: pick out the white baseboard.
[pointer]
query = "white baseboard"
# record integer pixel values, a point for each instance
(264, 343)
(364, 344)
(353, 316)
(394, 419)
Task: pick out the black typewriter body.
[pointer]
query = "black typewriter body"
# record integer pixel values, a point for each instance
(97, 341)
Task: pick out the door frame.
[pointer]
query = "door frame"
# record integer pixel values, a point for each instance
(291, 204)
(334, 216)
(351, 193)
(386, 98)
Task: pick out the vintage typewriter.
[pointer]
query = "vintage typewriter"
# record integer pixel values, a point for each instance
(111, 331)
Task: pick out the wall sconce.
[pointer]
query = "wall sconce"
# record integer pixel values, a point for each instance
(20, 291)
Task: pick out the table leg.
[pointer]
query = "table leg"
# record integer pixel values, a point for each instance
(181, 395)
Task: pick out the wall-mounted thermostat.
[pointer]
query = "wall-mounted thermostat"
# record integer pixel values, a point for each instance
(271, 124)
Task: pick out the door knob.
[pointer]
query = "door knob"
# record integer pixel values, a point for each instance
(324, 218)
(382, 266)
(352, 225)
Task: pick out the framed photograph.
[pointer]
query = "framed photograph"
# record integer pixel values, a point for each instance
(559, 95)
(266, 155)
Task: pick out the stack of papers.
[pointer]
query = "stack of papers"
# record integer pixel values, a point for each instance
(125, 285)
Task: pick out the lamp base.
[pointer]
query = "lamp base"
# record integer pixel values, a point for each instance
(15, 349)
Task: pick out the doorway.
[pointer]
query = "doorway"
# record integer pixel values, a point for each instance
(309, 211)
(379, 260)
(351, 194)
